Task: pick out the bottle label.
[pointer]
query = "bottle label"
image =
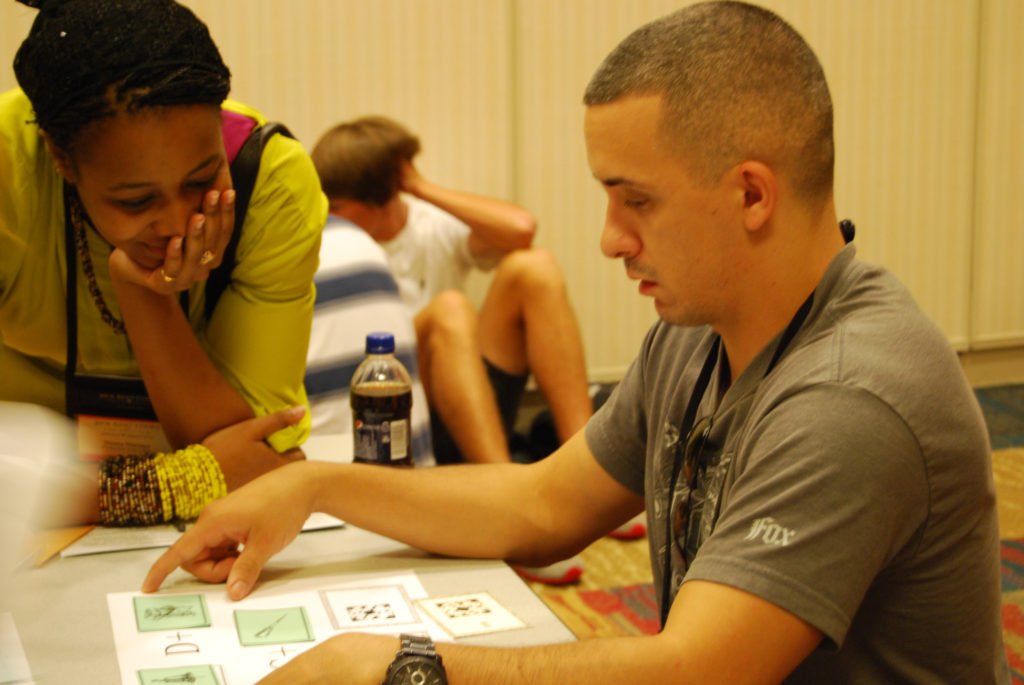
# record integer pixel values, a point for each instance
(380, 419)
(399, 439)
(381, 443)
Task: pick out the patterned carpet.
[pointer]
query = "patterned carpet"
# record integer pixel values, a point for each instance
(1003, 407)
(615, 596)
(1004, 413)
(1013, 606)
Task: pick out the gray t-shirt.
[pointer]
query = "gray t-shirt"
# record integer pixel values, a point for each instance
(851, 485)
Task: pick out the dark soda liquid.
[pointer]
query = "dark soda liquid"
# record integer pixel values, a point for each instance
(380, 420)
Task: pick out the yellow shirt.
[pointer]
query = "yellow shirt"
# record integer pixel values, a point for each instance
(259, 332)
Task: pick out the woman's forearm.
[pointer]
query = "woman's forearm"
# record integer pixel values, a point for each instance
(191, 397)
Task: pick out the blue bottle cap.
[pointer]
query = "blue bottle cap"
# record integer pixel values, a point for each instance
(380, 343)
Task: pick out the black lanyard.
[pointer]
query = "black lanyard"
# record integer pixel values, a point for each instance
(94, 395)
(703, 380)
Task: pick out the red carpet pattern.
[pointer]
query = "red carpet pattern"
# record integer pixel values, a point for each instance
(1013, 606)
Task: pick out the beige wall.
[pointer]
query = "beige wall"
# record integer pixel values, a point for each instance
(929, 97)
(997, 298)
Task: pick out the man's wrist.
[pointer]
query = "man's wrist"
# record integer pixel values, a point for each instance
(416, 663)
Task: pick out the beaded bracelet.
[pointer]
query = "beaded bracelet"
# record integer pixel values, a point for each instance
(129, 492)
(145, 490)
(193, 479)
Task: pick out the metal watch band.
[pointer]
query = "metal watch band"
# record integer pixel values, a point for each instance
(420, 645)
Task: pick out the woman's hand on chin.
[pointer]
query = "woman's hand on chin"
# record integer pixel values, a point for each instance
(189, 258)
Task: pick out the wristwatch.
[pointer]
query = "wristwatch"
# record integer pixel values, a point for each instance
(416, 663)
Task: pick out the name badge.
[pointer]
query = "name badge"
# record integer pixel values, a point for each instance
(108, 436)
(114, 417)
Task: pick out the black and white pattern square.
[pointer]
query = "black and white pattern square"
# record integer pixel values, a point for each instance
(462, 607)
(365, 607)
(371, 613)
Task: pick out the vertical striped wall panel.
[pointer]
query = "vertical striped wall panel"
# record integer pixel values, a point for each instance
(15, 21)
(559, 46)
(442, 67)
(997, 311)
(903, 81)
(930, 172)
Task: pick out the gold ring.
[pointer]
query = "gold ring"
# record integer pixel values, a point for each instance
(167, 279)
(206, 257)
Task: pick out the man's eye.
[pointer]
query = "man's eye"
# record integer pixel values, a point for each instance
(635, 203)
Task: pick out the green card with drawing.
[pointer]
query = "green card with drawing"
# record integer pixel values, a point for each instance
(171, 612)
(273, 626)
(194, 675)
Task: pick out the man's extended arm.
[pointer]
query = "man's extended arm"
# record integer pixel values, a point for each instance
(715, 635)
(497, 226)
(535, 514)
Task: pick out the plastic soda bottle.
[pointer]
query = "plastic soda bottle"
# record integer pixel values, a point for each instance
(381, 399)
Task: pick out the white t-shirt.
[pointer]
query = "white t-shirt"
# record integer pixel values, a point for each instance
(431, 254)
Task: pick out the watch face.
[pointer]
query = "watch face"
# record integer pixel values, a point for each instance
(417, 671)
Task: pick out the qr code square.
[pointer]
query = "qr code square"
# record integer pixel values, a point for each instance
(460, 608)
(370, 613)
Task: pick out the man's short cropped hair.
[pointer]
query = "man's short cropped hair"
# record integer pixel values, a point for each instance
(362, 159)
(738, 83)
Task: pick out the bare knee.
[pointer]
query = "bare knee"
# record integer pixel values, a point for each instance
(448, 318)
(532, 271)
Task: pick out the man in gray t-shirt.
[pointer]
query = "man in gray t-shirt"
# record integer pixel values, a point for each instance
(813, 464)
(847, 483)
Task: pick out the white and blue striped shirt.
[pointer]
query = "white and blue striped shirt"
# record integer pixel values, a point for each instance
(356, 295)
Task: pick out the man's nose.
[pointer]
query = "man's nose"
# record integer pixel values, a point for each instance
(617, 241)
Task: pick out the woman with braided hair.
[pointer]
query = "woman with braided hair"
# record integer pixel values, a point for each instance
(116, 206)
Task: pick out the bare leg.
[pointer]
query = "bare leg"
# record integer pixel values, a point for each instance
(455, 380)
(527, 323)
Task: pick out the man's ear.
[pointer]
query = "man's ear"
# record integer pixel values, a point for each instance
(760, 193)
(341, 207)
(65, 165)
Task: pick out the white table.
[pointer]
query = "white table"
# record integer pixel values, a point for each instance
(61, 610)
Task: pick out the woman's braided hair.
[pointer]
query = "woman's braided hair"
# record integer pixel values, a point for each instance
(84, 60)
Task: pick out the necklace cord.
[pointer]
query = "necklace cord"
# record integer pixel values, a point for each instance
(689, 417)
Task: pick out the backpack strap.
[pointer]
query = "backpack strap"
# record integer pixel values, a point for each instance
(244, 169)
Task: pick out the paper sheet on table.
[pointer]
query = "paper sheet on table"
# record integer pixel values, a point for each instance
(204, 637)
(102, 539)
